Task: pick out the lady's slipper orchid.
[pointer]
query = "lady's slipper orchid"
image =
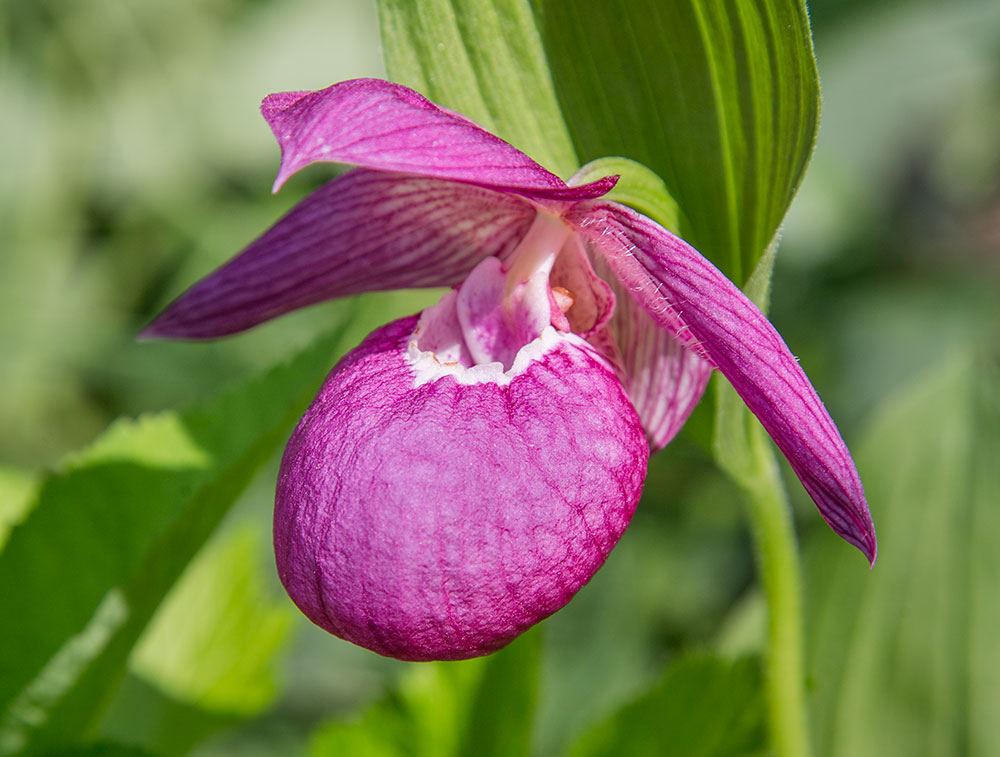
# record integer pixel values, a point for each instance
(462, 473)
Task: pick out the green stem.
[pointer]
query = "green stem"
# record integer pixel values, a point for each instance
(778, 563)
(743, 450)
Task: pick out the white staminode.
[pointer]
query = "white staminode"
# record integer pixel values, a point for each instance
(538, 250)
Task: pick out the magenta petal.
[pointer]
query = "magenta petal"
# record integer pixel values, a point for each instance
(439, 520)
(687, 295)
(664, 379)
(364, 231)
(384, 126)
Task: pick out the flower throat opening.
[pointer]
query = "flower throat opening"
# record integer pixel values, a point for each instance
(502, 305)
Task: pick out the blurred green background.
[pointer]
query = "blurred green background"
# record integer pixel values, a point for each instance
(135, 160)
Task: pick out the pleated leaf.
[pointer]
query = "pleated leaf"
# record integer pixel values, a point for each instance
(718, 97)
(475, 708)
(214, 640)
(483, 58)
(703, 706)
(110, 533)
(904, 659)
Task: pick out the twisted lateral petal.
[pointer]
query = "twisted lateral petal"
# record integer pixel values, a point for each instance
(363, 231)
(676, 285)
(663, 379)
(440, 520)
(384, 126)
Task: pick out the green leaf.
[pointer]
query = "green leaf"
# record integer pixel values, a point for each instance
(744, 629)
(702, 706)
(719, 97)
(100, 749)
(478, 707)
(144, 717)
(214, 639)
(109, 535)
(17, 495)
(638, 187)
(482, 58)
(421, 717)
(904, 658)
(503, 710)
(380, 732)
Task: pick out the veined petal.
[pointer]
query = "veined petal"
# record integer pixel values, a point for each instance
(364, 231)
(684, 293)
(384, 126)
(664, 379)
(438, 516)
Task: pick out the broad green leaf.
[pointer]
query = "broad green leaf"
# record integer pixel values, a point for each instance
(206, 659)
(744, 629)
(719, 97)
(904, 658)
(478, 707)
(110, 533)
(17, 494)
(380, 732)
(422, 717)
(638, 187)
(503, 710)
(143, 716)
(213, 641)
(703, 706)
(482, 58)
(100, 749)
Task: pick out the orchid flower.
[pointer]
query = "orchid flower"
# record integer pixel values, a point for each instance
(463, 472)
